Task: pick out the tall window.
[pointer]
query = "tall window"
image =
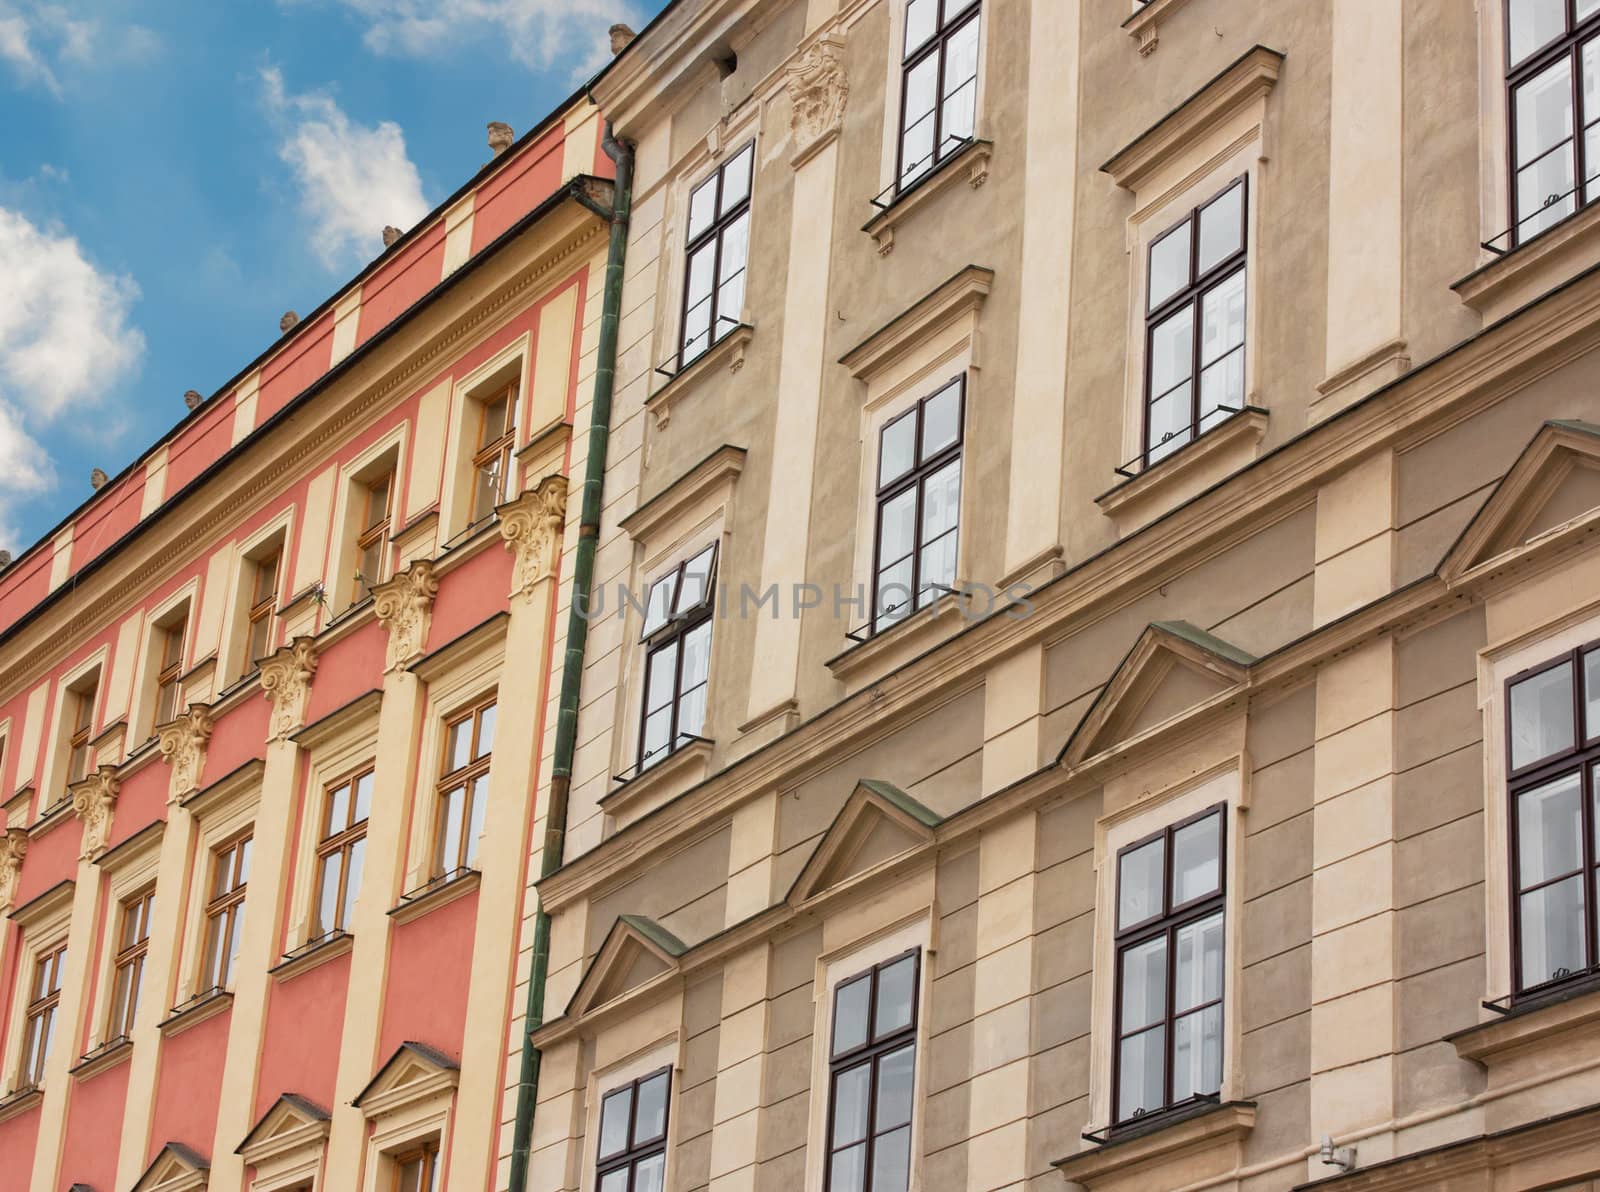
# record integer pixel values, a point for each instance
(372, 539)
(918, 505)
(939, 84)
(718, 246)
(677, 637)
(230, 871)
(81, 700)
(1553, 759)
(169, 665)
(44, 996)
(342, 851)
(263, 603)
(632, 1155)
(133, 942)
(418, 1170)
(1194, 324)
(1553, 84)
(464, 789)
(491, 464)
(871, 1070)
(1169, 967)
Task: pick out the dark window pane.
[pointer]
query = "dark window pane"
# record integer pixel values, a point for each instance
(1549, 831)
(850, 1014)
(1140, 1066)
(458, 745)
(895, 1072)
(1541, 716)
(1221, 228)
(891, 1161)
(1144, 983)
(363, 798)
(851, 1095)
(1139, 883)
(1552, 931)
(650, 1119)
(896, 996)
(1197, 859)
(485, 731)
(1169, 265)
(338, 808)
(614, 1122)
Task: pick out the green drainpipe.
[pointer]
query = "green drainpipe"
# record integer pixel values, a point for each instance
(605, 375)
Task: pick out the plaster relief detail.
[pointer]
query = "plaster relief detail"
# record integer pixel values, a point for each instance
(531, 527)
(818, 90)
(13, 847)
(404, 607)
(286, 681)
(183, 746)
(94, 802)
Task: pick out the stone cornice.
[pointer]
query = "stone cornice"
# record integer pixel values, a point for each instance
(716, 471)
(94, 801)
(531, 527)
(955, 297)
(182, 742)
(286, 682)
(404, 607)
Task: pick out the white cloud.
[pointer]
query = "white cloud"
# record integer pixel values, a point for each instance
(353, 179)
(65, 346)
(38, 40)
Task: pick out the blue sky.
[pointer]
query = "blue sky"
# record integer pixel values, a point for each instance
(175, 175)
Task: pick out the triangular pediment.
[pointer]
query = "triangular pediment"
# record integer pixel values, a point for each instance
(1552, 489)
(636, 951)
(176, 1168)
(1172, 670)
(878, 824)
(291, 1121)
(413, 1072)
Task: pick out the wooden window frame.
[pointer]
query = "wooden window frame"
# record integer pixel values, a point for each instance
(169, 670)
(338, 842)
(674, 632)
(129, 958)
(635, 1150)
(262, 608)
(936, 43)
(82, 730)
(376, 534)
(1569, 44)
(226, 909)
(921, 470)
(428, 1153)
(1193, 295)
(870, 1053)
(719, 324)
(495, 453)
(1166, 922)
(462, 778)
(41, 1008)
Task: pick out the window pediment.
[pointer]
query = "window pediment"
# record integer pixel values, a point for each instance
(878, 825)
(414, 1073)
(293, 1127)
(636, 952)
(176, 1169)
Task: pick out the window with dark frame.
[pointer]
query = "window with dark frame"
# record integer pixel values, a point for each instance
(133, 943)
(1553, 110)
(715, 255)
(938, 84)
(1169, 968)
(417, 1170)
(263, 605)
(917, 511)
(463, 788)
(342, 851)
(372, 539)
(39, 1025)
(230, 873)
(632, 1152)
(169, 665)
(677, 669)
(82, 725)
(872, 1062)
(491, 461)
(1195, 323)
(1553, 769)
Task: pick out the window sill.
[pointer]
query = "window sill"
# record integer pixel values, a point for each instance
(1143, 25)
(1534, 1032)
(1208, 1141)
(17, 1103)
(108, 1055)
(312, 955)
(426, 899)
(1534, 267)
(976, 155)
(730, 349)
(195, 1011)
(50, 816)
(867, 662)
(681, 769)
(1187, 472)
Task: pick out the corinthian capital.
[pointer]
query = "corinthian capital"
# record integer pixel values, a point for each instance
(404, 606)
(818, 88)
(286, 681)
(13, 847)
(531, 526)
(183, 746)
(94, 801)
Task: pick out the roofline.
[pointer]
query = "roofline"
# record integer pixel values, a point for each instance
(587, 90)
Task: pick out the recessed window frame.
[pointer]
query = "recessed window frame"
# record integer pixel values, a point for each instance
(341, 843)
(169, 666)
(39, 1014)
(80, 728)
(946, 28)
(372, 542)
(129, 958)
(223, 918)
(262, 604)
(714, 237)
(426, 1156)
(678, 625)
(466, 780)
(492, 457)
(635, 1150)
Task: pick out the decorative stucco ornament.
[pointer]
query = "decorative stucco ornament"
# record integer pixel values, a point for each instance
(818, 89)
(531, 526)
(501, 137)
(404, 606)
(13, 847)
(94, 801)
(183, 746)
(286, 681)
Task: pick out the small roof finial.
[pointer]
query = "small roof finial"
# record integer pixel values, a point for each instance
(288, 321)
(5, 558)
(621, 35)
(500, 136)
(391, 234)
(98, 478)
(192, 398)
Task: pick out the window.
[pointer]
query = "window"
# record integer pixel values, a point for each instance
(169, 665)
(464, 789)
(632, 1155)
(1194, 324)
(1552, 57)
(81, 705)
(418, 1170)
(372, 535)
(939, 84)
(1553, 759)
(263, 603)
(871, 1074)
(1169, 968)
(918, 505)
(677, 637)
(717, 249)
(491, 465)
(230, 871)
(133, 942)
(39, 1027)
(341, 853)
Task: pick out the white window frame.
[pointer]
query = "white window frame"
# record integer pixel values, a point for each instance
(666, 1052)
(52, 785)
(229, 816)
(125, 875)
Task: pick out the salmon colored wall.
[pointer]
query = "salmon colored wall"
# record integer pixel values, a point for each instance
(112, 516)
(308, 355)
(300, 1044)
(17, 1136)
(237, 738)
(199, 446)
(26, 583)
(186, 1088)
(141, 802)
(400, 282)
(348, 670)
(469, 595)
(85, 1151)
(430, 964)
(52, 857)
(516, 190)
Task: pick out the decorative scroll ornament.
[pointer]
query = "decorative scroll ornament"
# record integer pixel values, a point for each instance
(404, 606)
(94, 801)
(531, 526)
(183, 745)
(818, 88)
(13, 847)
(286, 680)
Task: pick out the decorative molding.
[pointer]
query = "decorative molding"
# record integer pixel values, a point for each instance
(286, 681)
(818, 90)
(730, 348)
(960, 296)
(1142, 25)
(183, 747)
(13, 848)
(404, 607)
(94, 801)
(976, 156)
(1231, 444)
(412, 1074)
(710, 480)
(531, 527)
(1539, 264)
(636, 951)
(1218, 1133)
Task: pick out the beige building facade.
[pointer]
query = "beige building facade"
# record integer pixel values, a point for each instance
(1089, 678)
